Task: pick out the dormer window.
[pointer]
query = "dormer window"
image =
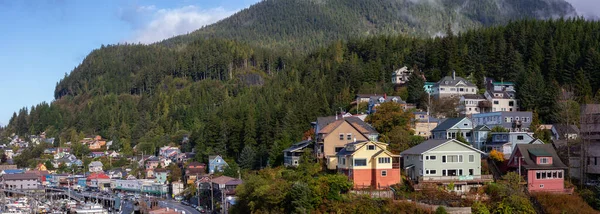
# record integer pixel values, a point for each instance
(545, 160)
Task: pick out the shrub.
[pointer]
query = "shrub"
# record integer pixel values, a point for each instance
(479, 208)
(497, 156)
(440, 210)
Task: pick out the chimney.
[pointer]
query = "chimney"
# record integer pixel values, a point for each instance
(453, 75)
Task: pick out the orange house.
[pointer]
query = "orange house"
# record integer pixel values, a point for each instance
(369, 165)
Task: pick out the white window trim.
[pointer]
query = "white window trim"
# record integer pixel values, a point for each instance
(470, 158)
(382, 171)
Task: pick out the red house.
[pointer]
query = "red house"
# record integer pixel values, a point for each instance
(541, 166)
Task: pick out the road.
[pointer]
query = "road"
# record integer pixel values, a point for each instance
(178, 206)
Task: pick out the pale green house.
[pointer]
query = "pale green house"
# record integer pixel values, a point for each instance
(445, 162)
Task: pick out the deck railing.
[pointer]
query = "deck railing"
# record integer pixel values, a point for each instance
(476, 178)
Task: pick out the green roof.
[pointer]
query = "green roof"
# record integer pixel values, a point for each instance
(539, 152)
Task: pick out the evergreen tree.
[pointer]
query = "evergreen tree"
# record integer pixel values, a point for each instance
(247, 158)
(415, 87)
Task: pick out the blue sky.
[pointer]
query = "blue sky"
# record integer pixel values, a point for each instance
(42, 40)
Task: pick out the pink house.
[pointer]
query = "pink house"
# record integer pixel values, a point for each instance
(541, 166)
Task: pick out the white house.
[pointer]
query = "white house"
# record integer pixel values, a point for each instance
(95, 166)
(453, 87)
(471, 104)
(401, 75)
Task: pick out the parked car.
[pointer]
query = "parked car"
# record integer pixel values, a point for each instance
(200, 209)
(178, 198)
(194, 206)
(185, 203)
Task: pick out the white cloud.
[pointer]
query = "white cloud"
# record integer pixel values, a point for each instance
(587, 8)
(156, 25)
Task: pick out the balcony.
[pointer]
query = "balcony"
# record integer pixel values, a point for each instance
(485, 104)
(462, 178)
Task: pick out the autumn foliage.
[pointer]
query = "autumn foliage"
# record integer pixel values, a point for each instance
(497, 155)
(563, 203)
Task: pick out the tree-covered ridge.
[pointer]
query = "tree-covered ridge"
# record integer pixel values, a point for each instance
(306, 24)
(228, 95)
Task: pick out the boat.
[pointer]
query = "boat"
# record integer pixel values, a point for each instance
(90, 208)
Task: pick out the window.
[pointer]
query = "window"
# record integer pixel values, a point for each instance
(383, 173)
(384, 160)
(430, 157)
(544, 160)
(495, 102)
(430, 172)
(541, 186)
(460, 172)
(370, 147)
(349, 137)
(452, 158)
(519, 137)
(461, 89)
(341, 136)
(452, 89)
(470, 171)
(344, 161)
(511, 103)
(360, 162)
(442, 89)
(471, 158)
(444, 172)
(338, 149)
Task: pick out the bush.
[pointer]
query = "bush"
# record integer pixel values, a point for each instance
(497, 156)
(440, 210)
(563, 203)
(479, 208)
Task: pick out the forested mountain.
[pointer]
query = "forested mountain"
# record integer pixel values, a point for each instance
(306, 24)
(229, 96)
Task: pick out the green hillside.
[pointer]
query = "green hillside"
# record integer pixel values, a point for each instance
(305, 24)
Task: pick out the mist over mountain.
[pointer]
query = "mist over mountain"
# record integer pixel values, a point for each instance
(305, 24)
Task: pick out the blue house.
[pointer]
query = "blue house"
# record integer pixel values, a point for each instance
(216, 164)
(11, 171)
(375, 101)
(450, 128)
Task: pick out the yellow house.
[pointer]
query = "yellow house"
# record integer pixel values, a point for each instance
(369, 165)
(41, 167)
(423, 124)
(333, 133)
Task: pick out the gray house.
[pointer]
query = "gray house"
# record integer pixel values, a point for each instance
(443, 162)
(23, 181)
(516, 121)
(506, 142)
(291, 156)
(451, 127)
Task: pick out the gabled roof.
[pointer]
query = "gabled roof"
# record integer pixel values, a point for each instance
(212, 157)
(298, 146)
(196, 164)
(481, 128)
(448, 123)
(98, 176)
(563, 129)
(386, 99)
(344, 152)
(96, 163)
(222, 179)
(234, 182)
(448, 81)
(357, 123)
(433, 144)
(530, 151)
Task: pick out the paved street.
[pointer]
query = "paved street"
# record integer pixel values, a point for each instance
(178, 206)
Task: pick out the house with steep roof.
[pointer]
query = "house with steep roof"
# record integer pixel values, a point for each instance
(564, 132)
(333, 133)
(401, 75)
(95, 166)
(452, 86)
(376, 101)
(216, 163)
(369, 164)
(292, 155)
(444, 162)
(541, 166)
(506, 142)
(450, 128)
(152, 162)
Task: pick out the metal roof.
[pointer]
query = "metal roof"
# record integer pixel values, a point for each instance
(448, 123)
